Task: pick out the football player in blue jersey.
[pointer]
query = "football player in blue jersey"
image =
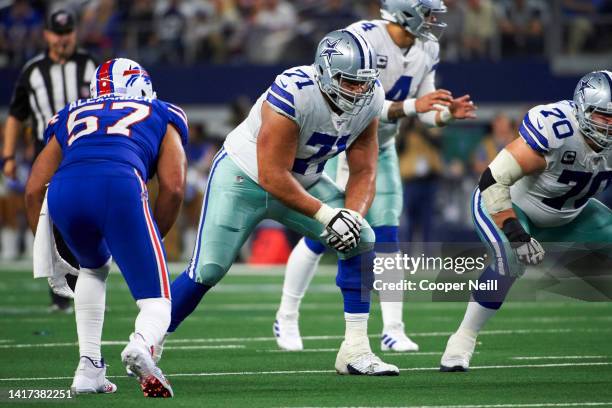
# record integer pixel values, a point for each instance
(99, 154)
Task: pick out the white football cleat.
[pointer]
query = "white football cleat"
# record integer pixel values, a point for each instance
(138, 358)
(359, 360)
(287, 333)
(157, 353)
(394, 339)
(90, 378)
(459, 351)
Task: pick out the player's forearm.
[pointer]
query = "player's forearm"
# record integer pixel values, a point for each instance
(11, 132)
(167, 208)
(34, 197)
(282, 185)
(360, 190)
(393, 111)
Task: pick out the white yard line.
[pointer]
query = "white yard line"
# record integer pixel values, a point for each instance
(518, 405)
(561, 358)
(337, 337)
(246, 373)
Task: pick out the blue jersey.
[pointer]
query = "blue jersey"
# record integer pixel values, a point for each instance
(113, 130)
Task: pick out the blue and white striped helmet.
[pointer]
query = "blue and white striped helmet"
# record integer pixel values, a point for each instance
(594, 95)
(344, 57)
(416, 16)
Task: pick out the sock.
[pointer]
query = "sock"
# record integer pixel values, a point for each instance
(391, 304)
(301, 267)
(356, 328)
(186, 295)
(476, 316)
(153, 320)
(354, 283)
(10, 244)
(353, 302)
(89, 305)
(189, 237)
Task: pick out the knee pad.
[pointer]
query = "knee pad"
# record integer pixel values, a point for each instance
(209, 274)
(315, 246)
(387, 239)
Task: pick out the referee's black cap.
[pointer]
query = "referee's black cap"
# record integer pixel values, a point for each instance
(61, 21)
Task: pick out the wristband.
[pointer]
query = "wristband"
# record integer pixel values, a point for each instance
(8, 158)
(515, 232)
(409, 107)
(325, 214)
(446, 116)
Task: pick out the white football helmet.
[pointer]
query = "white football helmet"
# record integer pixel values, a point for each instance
(418, 17)
(121, 76)
(594, 94)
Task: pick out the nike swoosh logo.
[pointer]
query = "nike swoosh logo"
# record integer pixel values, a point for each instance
(540, 126)
(284, 85)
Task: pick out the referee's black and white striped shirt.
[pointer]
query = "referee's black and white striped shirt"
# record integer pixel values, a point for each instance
(44, 87)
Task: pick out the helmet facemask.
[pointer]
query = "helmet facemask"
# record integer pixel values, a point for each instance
(598, 132)
(349, 101)
(420, 21)
(593, 104)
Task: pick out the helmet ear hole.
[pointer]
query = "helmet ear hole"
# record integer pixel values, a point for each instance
(143, 93)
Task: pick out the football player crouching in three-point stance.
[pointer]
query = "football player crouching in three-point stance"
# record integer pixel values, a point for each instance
(540, 189)
(406, 42)
(271, 166)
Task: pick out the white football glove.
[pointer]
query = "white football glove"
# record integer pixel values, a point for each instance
(527, 249)
(530, 253)
(342, 227)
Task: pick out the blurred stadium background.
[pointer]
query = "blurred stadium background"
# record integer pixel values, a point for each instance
(214, 57)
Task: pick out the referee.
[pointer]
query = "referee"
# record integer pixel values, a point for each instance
(46, 84)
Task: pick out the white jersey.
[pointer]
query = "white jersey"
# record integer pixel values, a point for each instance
(574, 171)
(403, 75)
(323, 134)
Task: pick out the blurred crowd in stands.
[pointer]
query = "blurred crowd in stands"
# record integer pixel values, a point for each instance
(273, 31)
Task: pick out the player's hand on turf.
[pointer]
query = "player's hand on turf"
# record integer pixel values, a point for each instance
(434, 101)
(530, 253)
(342, 227)
(463, 108)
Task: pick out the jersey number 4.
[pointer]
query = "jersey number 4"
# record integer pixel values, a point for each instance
(79, 124)
(580, 179)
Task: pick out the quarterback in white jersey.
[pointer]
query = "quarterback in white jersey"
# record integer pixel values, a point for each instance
(407, 56)
(540, 188)
(271, 166)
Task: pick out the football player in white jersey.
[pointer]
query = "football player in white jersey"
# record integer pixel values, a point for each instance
(406, 42)
(271, 166)
(540, 189)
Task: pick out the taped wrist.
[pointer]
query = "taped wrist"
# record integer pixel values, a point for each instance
(384, 114)
(515, 232)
